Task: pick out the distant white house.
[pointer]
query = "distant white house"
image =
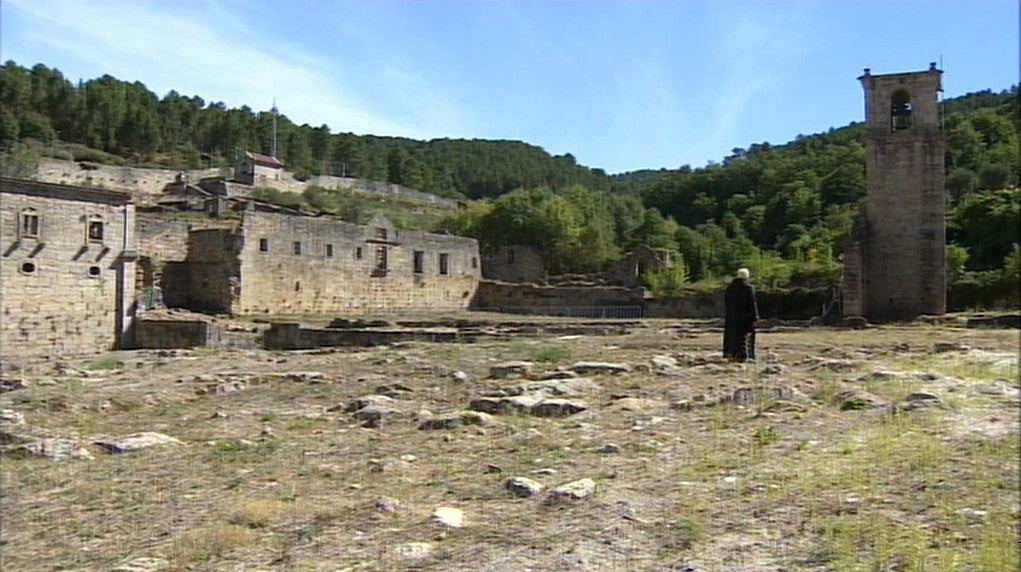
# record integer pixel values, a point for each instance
(254, 168)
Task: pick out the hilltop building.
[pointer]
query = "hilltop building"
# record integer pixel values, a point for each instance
(257, 169)
(894, 262)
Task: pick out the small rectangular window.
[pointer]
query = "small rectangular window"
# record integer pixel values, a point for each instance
(381, 233)
(96, 230)
(475, 262)
(297, 247)
(381, 258)
(29, 225)
(358, 253)
(419, 260)
(510, 256)
(263, 245)
(329, 251)
(444, 263)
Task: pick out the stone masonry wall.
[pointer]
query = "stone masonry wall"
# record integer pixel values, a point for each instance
(214, 270)
(60, 292)
(320, 265)
(904, 257)
(144, 183)
(502, 295)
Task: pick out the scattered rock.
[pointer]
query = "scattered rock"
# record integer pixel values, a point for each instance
(854, 400)
(413, 550)
(144, 564)
(10, 384)
(528, 434)
(584, 367)
(919, 400)
(637, 404)
(943, 347)
(11, 418)
(448, 517)
(609, 449)
(366, 401)
(510, 369)
(772, 369)
(386, 504)
(137, 441)
(299, 376)
(53, 449)
(523, 486)
(459, 419)
(557, 408)
(832, 364)
(567, 387)
(459, 376)
(574, 490)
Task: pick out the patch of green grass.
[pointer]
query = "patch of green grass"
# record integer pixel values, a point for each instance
(105, 363)
(243, 451)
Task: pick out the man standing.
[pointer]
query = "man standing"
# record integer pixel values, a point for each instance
(741, 313)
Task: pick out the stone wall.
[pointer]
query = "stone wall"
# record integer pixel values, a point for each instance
(320, 265)
(167, 334)
(162, 246)
(903, 254)
(143, 183)
(516, 263)
(214, 270)
(62, 291)
(505, 296)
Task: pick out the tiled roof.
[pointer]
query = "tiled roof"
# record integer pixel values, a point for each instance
(264, 160)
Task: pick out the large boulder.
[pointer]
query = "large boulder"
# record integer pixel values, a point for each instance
(137, 442)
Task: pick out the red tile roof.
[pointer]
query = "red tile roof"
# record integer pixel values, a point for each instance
(264, 160)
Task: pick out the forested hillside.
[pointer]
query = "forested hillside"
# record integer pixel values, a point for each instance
(181, 132)
(783, 210)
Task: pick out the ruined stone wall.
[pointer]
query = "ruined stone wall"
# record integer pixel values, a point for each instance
(517, 263)
(214, 270)
(503, 295)
(320, 265)
(60, 291)
(144, 183)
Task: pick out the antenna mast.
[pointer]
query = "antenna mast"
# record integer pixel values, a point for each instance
(273, 144)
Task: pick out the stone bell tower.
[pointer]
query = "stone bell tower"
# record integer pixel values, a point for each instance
(894, 263)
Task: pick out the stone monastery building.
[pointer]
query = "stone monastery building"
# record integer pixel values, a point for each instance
(67, 271)
(291, 264)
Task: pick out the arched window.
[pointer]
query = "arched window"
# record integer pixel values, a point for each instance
(900, 111)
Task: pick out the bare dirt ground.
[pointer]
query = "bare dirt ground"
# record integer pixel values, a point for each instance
(889, 448)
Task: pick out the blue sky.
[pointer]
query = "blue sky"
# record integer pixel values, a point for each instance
(621, 85)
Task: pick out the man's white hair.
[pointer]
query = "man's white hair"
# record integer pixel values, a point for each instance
(743, 273)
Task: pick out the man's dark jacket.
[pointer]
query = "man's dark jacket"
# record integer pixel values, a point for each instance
(741, 313)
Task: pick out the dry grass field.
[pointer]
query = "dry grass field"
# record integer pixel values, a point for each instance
(890, 448)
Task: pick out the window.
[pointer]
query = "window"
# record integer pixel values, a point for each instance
(900, 111)
(297, 248)
(510, 256)
(381, 233)
(444, 263)
(94, 271)
(28, 267)
(419, 260)
(329, 251)
(358, 253)
(263, 245)
(475, 262)
(381, 258)
(29, 224)
(95, 230)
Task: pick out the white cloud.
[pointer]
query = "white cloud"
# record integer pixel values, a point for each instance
(207, 50)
